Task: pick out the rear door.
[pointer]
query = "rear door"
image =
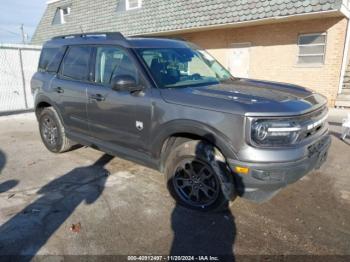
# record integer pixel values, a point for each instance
(118, 118)
(71, 83)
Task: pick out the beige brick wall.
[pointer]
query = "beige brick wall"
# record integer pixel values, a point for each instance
(273, 53)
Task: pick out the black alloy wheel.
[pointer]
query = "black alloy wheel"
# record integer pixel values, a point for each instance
(52, 131)
(195, 183)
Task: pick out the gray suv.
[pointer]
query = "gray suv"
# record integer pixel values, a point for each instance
(168, 104)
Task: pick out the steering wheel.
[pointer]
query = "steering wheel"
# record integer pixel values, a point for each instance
(196, 76)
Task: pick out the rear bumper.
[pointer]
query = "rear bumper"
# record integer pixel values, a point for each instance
(264, 180)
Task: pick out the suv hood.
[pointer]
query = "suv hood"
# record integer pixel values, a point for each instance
(247, 97)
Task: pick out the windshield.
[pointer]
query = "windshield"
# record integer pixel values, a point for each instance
(181, 67)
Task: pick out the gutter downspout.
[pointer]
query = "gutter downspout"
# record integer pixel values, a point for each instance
(344, 65)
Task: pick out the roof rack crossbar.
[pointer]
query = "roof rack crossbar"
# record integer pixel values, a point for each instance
(109, 35)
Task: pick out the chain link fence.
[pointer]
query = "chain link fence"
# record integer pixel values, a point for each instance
(18, 63)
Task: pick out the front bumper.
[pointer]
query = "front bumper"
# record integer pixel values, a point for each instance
(264, 180)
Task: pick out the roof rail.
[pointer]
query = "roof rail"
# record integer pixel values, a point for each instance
(160, 36)
(108, 35)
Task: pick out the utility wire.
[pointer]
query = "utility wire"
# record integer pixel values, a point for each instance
(10, 32)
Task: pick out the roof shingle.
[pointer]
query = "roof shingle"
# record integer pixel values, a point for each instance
(160, 15)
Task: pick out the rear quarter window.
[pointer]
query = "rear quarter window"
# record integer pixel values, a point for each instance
(50, 59)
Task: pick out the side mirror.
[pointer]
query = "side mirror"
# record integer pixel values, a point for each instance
(125, 83)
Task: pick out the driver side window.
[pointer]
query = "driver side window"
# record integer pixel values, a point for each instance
(112, 62)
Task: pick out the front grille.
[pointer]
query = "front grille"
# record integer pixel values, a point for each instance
(312, 123)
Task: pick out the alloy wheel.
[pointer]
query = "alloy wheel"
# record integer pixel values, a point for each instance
(196, 183)
(50, 130)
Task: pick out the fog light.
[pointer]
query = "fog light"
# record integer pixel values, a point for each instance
(242, 170)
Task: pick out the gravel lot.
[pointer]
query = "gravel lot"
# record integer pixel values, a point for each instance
(120, 208)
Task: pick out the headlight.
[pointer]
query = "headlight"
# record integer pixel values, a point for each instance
(274, 133)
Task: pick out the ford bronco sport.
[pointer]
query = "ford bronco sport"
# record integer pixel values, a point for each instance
(168, 104)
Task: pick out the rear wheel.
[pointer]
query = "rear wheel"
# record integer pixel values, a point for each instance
(52, 131)
(194, 176)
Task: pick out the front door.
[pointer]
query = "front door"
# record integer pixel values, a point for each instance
(117, 118)
(239, 60)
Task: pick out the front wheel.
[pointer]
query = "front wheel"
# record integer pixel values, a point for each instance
(195, 177)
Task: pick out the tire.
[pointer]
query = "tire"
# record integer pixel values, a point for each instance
(198, 178)
(52, 131)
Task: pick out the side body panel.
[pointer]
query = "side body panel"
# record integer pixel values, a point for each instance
(170, 119)
(121, 118)
(72, 104)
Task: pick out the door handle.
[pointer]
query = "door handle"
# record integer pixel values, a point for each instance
(59, 90)
(97, 97)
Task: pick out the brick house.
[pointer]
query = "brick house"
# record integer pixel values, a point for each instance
(301, 42)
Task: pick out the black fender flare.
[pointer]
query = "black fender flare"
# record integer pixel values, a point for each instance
(44, 99)
(191, 127)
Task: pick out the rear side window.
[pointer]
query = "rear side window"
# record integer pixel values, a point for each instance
(50, 59)
(76, 63)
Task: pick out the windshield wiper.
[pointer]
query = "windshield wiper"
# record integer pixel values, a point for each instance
(192, 85)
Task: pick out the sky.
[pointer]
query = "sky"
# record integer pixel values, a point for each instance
(17, 12)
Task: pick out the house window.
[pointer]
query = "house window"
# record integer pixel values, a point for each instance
(312, 48)
(133, 4)
(61, 15)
